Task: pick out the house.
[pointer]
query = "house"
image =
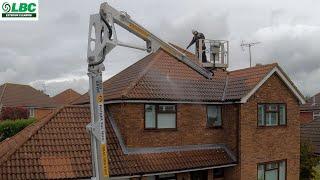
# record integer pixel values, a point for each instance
(164, 120)
(310, 133)
(310, 110)
(18, 95)
(66, 97)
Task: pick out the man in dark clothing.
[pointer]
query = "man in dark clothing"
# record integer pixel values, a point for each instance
(196, 37)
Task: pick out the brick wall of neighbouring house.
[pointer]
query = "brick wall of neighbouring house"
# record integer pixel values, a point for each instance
(306, 117)
(191, 127)
(259, 145)
(40, 113)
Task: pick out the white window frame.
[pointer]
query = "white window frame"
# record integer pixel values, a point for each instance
(31, 112)
(316, 115)
(158, 112)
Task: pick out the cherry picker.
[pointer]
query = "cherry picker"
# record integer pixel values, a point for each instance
(102, 39)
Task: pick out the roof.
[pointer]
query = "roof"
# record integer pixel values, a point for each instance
(24, 95)
(310, 132)
(312, 103)
(159, 76)
(59, 147)
(66, 97)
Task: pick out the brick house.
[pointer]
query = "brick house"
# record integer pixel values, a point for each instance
(18, 95)
(164, 120)
(310, 133)
(66, 97)
(310, 110)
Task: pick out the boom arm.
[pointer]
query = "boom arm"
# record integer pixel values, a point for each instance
(102, 39)
(112, 16)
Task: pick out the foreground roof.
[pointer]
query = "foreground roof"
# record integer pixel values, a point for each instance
(58, 147)
(310, 132)
(24, 95)
(159, 76)
(66, 97)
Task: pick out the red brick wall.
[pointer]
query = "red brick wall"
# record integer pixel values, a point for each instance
(191, 126)
(306, 117)
(270, 143)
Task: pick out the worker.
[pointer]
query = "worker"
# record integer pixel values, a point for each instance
(196, 38)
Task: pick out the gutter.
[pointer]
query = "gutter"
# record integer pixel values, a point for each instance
(175, 172)
(170, 102)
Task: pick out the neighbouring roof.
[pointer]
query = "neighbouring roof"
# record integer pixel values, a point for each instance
(312, 103)
(58, 147)
(310, 132)
(66, 97)
(24, 95)
(159, 76)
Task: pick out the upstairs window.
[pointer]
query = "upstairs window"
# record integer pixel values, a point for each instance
(272, 115)
(316, 115)
(214, 116)
(272, 170)
(160, 116)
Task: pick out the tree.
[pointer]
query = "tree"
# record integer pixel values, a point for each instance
(308, 161)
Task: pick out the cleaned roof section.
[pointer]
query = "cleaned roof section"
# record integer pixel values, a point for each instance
(24, 95)
(66, 97)
(58, 147)
(159, 76)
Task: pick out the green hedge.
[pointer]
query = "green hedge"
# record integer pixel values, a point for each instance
(9, 128)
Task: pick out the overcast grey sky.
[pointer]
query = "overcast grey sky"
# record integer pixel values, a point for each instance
(52, 51)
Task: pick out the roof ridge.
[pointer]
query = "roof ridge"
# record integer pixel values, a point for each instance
(12, 144)
(260, 66)
(141, 74)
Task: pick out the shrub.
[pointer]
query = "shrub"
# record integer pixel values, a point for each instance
(14, 113)
(308, 161)
(9, 128)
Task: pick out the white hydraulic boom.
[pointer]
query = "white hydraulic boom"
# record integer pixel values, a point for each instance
(102, 39)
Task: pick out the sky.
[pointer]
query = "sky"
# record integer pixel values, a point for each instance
(50, 54)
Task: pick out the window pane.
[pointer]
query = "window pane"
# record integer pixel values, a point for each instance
(272, 107)
(151, 177)
(271, 119)
(167, 108)
(214, 116)
(282, 170)
(167, 176)
(166, 120)
(271, 175)
(272, 166)
(261, 115)
(282, 111)
(261, 172)
(150, 116)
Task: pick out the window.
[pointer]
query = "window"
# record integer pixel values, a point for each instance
(163, 177)
(160, 116)
(272, 170)
(218, 173)
(31, 112)
(316, 115)
(272, 114)
(214, 116)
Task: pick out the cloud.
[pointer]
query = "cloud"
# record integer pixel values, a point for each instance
(294, 47)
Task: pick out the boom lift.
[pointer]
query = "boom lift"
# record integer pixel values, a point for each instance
(102, 39)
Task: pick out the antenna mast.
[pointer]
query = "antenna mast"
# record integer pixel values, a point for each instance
(249, 45)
